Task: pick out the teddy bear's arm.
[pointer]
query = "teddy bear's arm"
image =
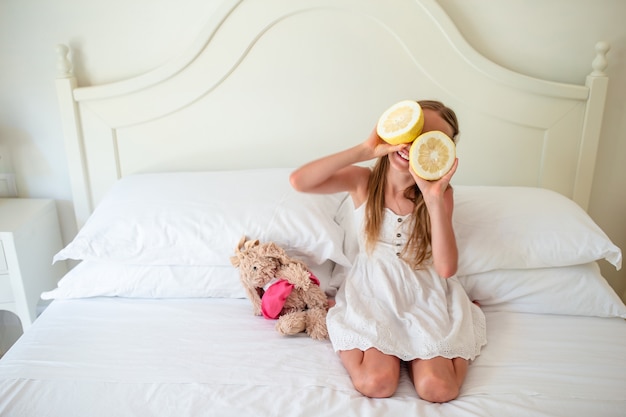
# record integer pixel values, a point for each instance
(296, 274)
(315, 297)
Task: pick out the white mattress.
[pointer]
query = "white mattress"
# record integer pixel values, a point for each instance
(205, 357)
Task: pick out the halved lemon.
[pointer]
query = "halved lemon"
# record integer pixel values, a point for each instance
(432, 155)
(401, 123)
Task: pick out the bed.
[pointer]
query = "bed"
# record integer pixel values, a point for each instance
(170, 168)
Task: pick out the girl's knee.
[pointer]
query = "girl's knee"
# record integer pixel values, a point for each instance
(377, 385)
(436, 389)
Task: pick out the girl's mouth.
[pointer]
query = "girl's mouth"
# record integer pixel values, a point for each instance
(404, 154)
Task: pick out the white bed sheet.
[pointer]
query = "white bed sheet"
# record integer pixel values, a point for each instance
(211, 357)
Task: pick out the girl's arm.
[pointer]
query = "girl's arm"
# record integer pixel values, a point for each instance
(439, 199)
(338, 172)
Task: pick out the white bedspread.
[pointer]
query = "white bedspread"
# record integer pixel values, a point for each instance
(211, 357)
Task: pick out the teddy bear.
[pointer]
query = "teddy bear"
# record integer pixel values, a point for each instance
(281, 287)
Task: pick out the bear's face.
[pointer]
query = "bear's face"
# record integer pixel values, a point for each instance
(256, 270)
(257, 263)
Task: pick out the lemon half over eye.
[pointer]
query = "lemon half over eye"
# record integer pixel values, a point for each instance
(432, 155)
(401, 123)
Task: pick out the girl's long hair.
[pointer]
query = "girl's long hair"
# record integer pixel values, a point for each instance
(417, 249)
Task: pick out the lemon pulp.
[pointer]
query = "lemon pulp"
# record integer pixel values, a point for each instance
(401, 123)
(432, 155)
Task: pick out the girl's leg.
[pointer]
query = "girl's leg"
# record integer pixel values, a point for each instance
(373, 373)
(439, 379)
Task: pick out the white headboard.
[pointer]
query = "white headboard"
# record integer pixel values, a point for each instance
(276, 83)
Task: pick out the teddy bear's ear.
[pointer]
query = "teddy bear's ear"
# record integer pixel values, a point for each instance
(240, 243)
(236, 260)
(272, 250)
(251, 244)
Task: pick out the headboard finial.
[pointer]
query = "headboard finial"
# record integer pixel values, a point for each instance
(64, 65)
(600, 63)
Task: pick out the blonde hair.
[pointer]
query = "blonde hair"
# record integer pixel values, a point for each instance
(417, 249)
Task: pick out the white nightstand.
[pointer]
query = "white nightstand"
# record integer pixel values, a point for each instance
(29, 237)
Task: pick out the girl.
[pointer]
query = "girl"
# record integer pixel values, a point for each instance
(401, 301)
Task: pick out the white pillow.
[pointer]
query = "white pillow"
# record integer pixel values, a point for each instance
(571, 290)
(103, 279)
(524, 227)
(509, 228)
(197, 218)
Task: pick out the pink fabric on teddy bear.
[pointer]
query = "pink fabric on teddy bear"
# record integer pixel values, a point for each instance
(275, 295)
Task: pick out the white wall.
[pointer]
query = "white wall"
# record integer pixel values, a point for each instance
(552, 39)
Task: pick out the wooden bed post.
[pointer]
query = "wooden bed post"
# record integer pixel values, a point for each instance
(597, 82)
(72, 132)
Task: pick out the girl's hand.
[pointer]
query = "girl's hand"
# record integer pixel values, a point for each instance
(378, 147)
(434, 189)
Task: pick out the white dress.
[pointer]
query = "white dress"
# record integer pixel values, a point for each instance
(385, 304)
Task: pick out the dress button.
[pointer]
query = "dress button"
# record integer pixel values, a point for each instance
(397, 253)
(399, 220)
(399, 235)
